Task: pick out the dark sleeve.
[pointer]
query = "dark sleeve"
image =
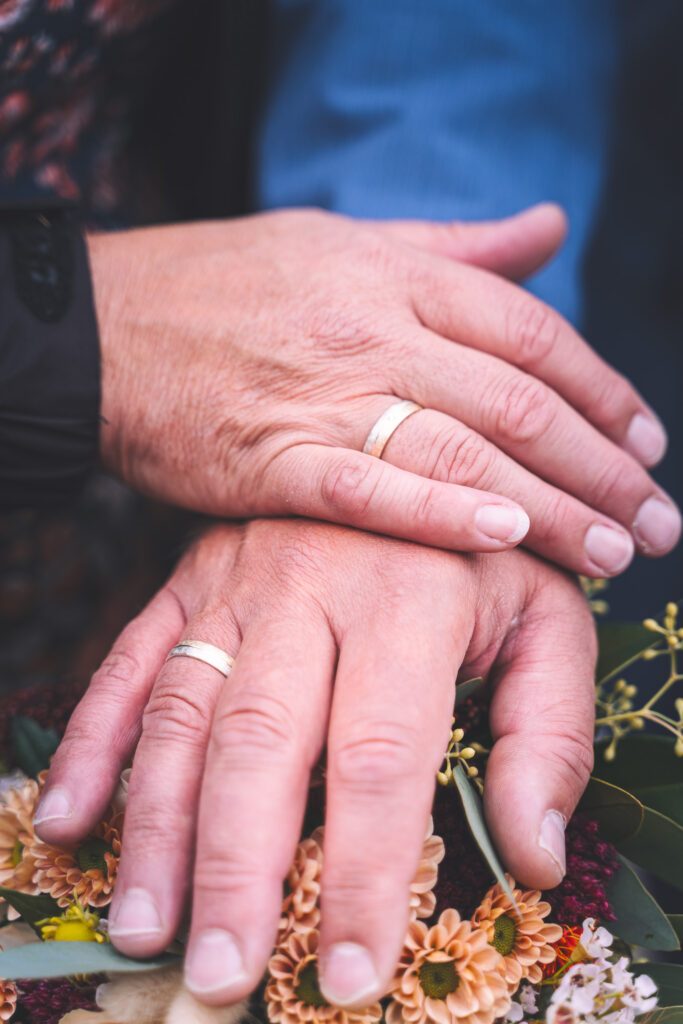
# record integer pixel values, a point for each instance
(49, 359)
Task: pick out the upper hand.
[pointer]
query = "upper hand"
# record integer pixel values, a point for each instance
(245, 362)
(345, 639)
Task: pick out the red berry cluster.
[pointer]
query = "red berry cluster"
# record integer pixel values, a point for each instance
(591, 863)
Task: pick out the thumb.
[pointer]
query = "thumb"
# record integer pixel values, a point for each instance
(542, 716)
(514, 247)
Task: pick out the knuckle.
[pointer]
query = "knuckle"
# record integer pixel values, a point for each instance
(120, 669)
(534, 331)
(460, 458)
(361, 885)
(377, 757)
(572, 756)
(523, 410)
(175, 716)
(348, 487)
(262, 727)
(219, 872)
(148, 830)
(613, 399)
(556, 515)
(613, 484)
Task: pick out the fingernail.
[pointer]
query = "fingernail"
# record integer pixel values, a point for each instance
(609, 550)
(349, 975)
(214, 962)
(135, 914)
(500, 522)
(646, 439)
(657, 525)
(54, 806)
(551, 839)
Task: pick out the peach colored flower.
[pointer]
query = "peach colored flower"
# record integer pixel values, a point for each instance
(18, 839)
(86, 874)
(293, 994)
(422, 898)
(447, 974)
(521, 935)
(8, 1000)
(300, 905)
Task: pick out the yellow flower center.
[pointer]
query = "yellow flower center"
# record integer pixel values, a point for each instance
(307, 987)
(438, 978)
(17, 854)
(504, 934)
(90, 855)
(74, 931)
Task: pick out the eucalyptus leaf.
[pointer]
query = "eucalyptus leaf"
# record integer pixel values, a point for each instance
(669, 981)
(32, 745)
(657, 847)
(467, 689)
(640, 920)
(618, 813)
(62, 959)
(31, 908)
(676, 922)
(646, 766)
(619, 645)
(474, 813)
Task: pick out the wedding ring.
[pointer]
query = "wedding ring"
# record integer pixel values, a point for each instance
(210, 655)
(389, 421)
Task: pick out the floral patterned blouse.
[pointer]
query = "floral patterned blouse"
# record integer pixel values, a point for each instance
(71, 75)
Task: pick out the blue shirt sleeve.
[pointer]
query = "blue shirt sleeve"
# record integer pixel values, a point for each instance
(442, 109)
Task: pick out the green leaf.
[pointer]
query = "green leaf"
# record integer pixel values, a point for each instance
(474, 813)
(31, 908)
(62, 959)
(32, 745)
(664, 1015)
(640, 920)
(657, 847)
(669, 981)
(676, 922)
(467, 689)
(647, 766)
(620, 644)
(618, 813)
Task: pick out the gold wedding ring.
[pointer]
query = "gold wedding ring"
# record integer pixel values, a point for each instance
(210, 655)
(389, 421)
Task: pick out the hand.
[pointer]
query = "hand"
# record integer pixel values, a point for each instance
(245, 362)
(345, 639)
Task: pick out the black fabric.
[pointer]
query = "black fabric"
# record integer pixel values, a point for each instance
(49, 359)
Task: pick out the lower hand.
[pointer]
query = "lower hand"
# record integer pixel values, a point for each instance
(245, 362)
(345, 639)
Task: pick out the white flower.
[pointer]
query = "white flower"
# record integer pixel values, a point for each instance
(515, 1013)
(601, 993)
(595, 940)
(580, 987)
(528, 998)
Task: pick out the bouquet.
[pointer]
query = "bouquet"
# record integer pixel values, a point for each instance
(479, 949)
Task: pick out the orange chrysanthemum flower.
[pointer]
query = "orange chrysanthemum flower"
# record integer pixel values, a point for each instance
(87, 874)
(18, 839)
(519, 933)
(300, 905)
(422, 898)
(447, 974)
(293, 993)
(8, 1000)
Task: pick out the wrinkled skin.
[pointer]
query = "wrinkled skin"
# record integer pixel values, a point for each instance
(342, 639)
(244, 363)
